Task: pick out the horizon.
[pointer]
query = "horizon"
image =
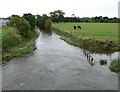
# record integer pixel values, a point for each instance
(64, 16)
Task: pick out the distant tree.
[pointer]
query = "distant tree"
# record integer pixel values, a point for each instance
(105, 19)
(113, 20)
(31, 19)
(57, 16)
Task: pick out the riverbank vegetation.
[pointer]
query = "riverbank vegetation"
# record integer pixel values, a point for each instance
(44, 23)
(115, 65)
(17, 38)
(95, 37)
(19, 34)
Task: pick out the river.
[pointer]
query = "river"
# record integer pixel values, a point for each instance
(56, 65)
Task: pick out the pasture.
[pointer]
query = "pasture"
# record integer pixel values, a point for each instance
(101, 31)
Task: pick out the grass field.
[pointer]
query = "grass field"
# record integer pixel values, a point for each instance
(101, 31)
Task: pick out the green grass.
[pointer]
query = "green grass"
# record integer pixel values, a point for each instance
(94, 37)
(101, 31)
(115, 65)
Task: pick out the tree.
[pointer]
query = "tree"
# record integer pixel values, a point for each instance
(44, 23)
(31, 19)
(57, 16)
(38, 17)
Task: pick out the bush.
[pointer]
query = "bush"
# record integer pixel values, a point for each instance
(44, 23)
(10, 37)
(115, 65)
(21, 24)
(48, 25)
(31, 19)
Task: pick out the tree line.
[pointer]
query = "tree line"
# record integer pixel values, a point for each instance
(58, 16)
(28, 21)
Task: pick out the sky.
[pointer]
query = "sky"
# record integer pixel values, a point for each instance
(81, 8)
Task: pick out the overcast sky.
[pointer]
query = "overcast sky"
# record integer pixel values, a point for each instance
(81, 8)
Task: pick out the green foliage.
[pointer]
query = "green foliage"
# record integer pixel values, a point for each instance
(38, 20)
(44, 23)
(10, 37)
(57, 16)
(13, 44)
(47, 25)
(41, 22)
(18, 50)
(21, 24)
(31, 19)
(115, 65)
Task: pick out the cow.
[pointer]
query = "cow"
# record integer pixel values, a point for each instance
(79, 27)
(74, 27)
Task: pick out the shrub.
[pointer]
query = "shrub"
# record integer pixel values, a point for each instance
(115, 65)
(21, 24)
(10, 37)
(48, 25)
(44, 23)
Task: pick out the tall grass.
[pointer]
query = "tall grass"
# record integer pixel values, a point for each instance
(10, 37)
(13, 44)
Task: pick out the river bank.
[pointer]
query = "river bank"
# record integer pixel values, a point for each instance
(88, 43)
(92, 45)
(14, 45)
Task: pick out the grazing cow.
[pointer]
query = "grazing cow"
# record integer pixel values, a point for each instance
(79, 27)
(74, 27)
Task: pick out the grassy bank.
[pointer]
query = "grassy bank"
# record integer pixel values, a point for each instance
(115, 66)
(95, 37)
(14, 45)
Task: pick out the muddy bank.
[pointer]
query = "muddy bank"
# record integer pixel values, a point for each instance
(91, 44)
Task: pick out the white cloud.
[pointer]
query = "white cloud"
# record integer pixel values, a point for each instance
(78, 7)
